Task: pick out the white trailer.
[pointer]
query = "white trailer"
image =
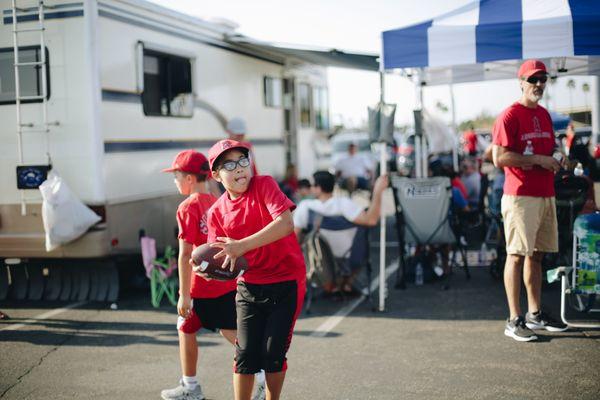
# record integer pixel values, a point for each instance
(130, 84)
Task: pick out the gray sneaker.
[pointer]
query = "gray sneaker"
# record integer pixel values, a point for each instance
(516, 329)
(182, 393)
(541, 320)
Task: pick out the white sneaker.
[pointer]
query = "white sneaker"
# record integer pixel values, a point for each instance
(182, 393)
(260, 393)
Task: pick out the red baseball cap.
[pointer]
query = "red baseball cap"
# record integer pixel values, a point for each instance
(530, 68)
(190, 161)
(221, 147)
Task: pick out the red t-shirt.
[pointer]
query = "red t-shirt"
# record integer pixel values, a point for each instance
(191, 219)
(512, 129)
(470, 140)
(238, 218)
(457, 183)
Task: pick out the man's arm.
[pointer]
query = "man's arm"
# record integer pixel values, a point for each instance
(371, 216)
(504, 157)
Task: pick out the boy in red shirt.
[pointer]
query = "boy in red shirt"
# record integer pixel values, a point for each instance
(202, 303)
(253, 218)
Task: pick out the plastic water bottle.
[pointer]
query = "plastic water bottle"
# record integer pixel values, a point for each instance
(528, 149)
(483, 254)
(578, 171)
(419, 274)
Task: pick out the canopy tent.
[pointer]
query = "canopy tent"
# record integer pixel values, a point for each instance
(486, 40)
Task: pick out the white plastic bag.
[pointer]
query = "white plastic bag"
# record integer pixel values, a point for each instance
(65, 216)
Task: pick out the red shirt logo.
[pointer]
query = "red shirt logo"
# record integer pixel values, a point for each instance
(536, 124)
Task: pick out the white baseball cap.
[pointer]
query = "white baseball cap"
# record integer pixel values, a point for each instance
(236, 126)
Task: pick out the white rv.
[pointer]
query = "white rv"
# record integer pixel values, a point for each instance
(127, 85)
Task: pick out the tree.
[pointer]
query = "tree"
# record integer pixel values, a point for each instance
(441, 106)
(571, 86)
(586, 90)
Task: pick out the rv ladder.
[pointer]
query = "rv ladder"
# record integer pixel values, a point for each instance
(42, 64)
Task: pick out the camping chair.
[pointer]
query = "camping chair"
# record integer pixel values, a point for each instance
(324, 262)
(160, 272)
(425, 207)
(580, 283)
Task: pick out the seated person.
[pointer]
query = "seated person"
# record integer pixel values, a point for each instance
(326, 204)
(472, 180)
(354, 171)
(304, 191)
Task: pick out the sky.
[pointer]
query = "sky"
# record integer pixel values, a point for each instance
(356, 25)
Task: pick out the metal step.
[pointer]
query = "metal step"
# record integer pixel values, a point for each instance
(26, 98)
(29, 30)
(24, 64)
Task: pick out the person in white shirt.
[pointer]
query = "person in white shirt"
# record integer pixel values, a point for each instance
(354, 171)
(327, 205)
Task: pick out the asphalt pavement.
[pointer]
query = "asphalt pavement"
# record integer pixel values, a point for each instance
(433, 342)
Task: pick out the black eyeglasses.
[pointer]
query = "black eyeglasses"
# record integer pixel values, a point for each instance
(232, 165)
(535, 79)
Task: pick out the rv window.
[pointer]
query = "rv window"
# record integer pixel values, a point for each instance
(30, 76)
(304, 101)
(273, 91)
(167, 85)
(321, 107)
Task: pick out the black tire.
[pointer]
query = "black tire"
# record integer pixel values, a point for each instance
(3, 282)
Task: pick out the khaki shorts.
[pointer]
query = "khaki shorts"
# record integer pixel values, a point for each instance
(529, 224)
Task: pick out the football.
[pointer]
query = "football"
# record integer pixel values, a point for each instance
(204, 261)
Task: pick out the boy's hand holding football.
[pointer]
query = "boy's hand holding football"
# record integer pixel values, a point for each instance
(231, 249)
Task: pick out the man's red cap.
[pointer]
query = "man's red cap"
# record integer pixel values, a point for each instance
(221, 147)
(530, 68)
(190, 161)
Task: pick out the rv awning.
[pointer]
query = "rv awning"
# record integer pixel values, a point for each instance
(485, 39)
(325, 57)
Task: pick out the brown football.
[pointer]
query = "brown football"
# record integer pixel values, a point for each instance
(204, 261)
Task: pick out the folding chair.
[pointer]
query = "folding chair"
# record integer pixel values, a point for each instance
(424, 204)
(580, 283)
(160, 272)
(325, 262)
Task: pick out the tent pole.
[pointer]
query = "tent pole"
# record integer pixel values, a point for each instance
(454, 129)
(383, 171)
(418, 77)
(595, 109)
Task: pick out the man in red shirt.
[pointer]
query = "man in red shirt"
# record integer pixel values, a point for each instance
(213, 305)
(524, 143)
(253, 218)
(470, 141)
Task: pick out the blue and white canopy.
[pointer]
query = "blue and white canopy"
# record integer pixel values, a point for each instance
(486, 39)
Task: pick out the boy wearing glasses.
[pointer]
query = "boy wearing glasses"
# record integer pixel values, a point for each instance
(202, 303)
(253, 218)
(523, 144)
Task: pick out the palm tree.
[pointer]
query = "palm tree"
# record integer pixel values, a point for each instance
(571, 86)
(586, 90)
